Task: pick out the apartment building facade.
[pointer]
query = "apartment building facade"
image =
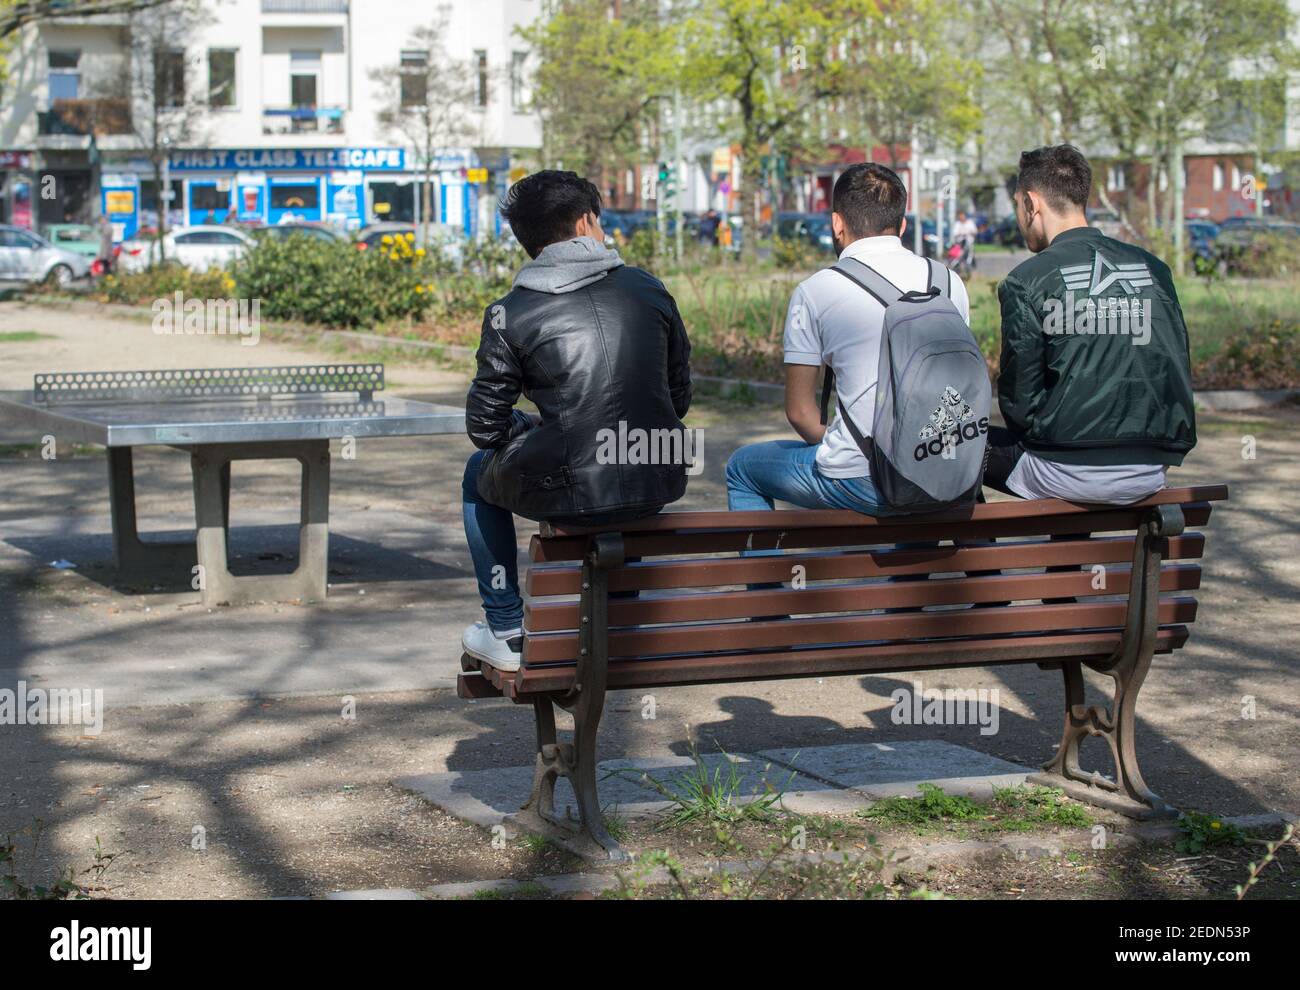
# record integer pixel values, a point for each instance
(283, 115)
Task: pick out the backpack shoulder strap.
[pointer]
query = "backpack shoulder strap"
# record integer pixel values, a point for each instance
(865, 277)
(940, 278)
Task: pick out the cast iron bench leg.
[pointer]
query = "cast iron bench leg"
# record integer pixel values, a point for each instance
(1128, 793)
(211, 468)
(577, 760)
(169, 562)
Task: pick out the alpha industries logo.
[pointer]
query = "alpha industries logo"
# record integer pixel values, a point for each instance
(1102, 298)
(951, 424)
(1103, 273)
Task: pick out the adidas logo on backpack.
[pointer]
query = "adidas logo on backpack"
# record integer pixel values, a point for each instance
(951, 424)
(926, 351)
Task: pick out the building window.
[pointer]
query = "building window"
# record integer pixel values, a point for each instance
(221, 77)
(1236, 177)
(169, 78)
(481, 78)
(65, 75)
(209, 196)
(304, 78)
(1115, 178)
(1218, 177)
(290, 197)
(520, 96)
(415, 78)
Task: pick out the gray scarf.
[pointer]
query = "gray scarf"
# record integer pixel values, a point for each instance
(567, 265)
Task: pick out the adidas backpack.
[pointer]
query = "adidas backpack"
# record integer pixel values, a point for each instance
(930, 414)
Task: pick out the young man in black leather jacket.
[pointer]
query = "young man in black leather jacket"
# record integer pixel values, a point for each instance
(600, 349)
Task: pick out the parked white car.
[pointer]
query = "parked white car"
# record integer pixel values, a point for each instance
(199, 248)
(27, 257)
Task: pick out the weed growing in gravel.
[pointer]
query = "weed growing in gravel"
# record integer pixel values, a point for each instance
(1289, 835)
(1201, 832)
(701, 795)
(65, 886)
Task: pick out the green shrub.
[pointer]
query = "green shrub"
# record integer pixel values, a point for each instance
(139, 288)
(1264, 255)
(796, 254)
(335, 284)
(486, 273)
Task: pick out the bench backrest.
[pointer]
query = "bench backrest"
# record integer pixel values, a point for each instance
(695, 585)
(208, 383)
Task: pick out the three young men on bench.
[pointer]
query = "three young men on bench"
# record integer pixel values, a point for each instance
(1095, 383)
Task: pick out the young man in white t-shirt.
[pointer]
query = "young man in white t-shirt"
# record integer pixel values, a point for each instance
(833, 322)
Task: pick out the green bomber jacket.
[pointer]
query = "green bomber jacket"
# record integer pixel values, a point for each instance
(1095, 364)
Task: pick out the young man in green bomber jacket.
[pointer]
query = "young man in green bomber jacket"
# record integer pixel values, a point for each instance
(1095, 383)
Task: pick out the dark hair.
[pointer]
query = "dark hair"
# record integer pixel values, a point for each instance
(871, 198)
(545, 207)
(1060, 174)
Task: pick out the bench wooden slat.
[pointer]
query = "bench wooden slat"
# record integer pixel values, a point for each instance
(1094, 645)
(870, 532)
(694, 639)
(475, 685)
(656, 575)
(829, 518)
(698, 607)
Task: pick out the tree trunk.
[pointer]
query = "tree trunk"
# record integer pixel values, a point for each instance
(162, 212)
(426, 205)
(751, 179)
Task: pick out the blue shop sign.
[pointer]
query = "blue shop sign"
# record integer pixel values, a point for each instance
(290, 159)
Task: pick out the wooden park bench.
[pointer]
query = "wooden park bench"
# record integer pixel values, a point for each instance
(1058, 584)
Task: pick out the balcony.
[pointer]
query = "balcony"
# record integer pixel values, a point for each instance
(304, 6)
(302, 120)
(79, 118)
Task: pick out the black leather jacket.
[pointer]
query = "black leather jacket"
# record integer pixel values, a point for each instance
(613, 351)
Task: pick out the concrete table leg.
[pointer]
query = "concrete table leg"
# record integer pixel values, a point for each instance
(153, 561)
(211, 468)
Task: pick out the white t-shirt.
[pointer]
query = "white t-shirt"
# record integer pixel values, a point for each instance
(832, 321)
(1104, 484)
(965, 230)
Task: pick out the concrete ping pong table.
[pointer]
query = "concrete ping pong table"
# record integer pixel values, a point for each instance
(219, 415)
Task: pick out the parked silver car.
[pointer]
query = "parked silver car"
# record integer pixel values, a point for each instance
(27, 257)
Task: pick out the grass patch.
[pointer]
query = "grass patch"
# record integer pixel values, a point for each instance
(23, 336)
(1013, 809)
(1024, 808)
(933, 806)
(701, 795)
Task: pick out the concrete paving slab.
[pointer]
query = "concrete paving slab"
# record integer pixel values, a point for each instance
(486, 797)
(882, 768)
(815, 780)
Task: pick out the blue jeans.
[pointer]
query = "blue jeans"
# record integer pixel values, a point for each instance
(760, 473)
(490, 532)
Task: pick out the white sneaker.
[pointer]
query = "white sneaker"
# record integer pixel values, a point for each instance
(479, 641)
